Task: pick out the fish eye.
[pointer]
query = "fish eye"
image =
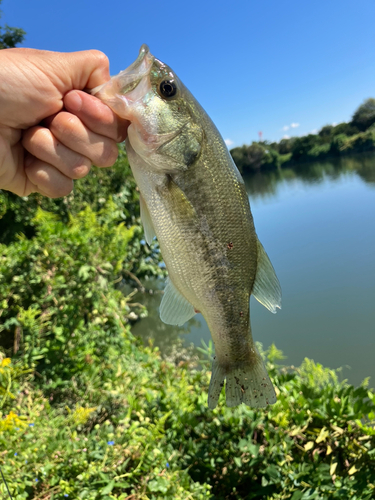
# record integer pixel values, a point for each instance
(167, 88)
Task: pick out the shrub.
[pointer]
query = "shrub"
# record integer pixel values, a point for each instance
(59, 309)
(149, 434)
(248, 157)
(319, 150)
(359, 143)
(17, 214)
(303, 145)
(338, 144)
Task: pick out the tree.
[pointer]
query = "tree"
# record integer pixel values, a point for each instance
(364, 116)
(248, 157)
(302, 146)
(345, 128)
(10, 37)
(326, 133)
(286, 145)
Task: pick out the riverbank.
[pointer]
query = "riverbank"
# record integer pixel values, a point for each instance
(332, 141)
(140, 428)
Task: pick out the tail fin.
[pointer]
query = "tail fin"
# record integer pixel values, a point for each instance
(249, 384)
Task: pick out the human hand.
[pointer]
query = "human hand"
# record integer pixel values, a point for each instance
(50, 131)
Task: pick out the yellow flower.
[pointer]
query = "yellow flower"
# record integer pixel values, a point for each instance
(81, 415)
(12, 421)
(4, 362)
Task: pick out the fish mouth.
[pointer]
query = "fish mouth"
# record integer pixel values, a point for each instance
(128, 86)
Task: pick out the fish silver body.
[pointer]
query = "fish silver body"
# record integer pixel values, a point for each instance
(194, 200)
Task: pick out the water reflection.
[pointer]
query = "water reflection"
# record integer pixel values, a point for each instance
(264, 184)
(164, 336)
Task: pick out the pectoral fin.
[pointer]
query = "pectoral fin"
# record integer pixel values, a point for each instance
(146, 221)
(174, 308)
(266, 288)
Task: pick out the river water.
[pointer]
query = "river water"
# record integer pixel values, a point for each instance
(317, 224)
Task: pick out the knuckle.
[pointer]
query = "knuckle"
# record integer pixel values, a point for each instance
(101, 58)
(65, 124)
(35, 139)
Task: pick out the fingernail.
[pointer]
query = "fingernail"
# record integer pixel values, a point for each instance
(73, 102)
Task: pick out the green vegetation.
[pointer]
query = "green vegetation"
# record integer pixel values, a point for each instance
(357, 136)
(88, 411)
(10, 37)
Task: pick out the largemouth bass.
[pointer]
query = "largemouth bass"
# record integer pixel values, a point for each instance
(194, 201)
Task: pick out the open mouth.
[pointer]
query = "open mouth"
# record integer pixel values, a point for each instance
(126, 82)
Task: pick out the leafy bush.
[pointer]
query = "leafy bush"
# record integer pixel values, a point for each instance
(364, 141)
(285, 145)
(149, 434)
(319, 150)
(271, 159)
(303, 145)
(10, 37)
(338, 143)
(248, 157)
(57, 290)
(17, 214)
(344, 128)
(94, 450)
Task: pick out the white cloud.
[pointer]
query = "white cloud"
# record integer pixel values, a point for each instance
(334, 124)
(292, 125)
(315, 131)
(229, 142)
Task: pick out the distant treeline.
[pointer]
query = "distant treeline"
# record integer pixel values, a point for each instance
(356, 136)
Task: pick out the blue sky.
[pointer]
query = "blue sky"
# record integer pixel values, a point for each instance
(254, 66)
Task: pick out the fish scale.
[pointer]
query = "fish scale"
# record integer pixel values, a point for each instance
(194, 201)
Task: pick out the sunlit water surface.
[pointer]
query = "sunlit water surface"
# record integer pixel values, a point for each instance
(317, 224)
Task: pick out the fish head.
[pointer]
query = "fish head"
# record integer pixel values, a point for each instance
(149, 94)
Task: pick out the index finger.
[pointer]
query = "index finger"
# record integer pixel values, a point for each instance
(96, 115)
